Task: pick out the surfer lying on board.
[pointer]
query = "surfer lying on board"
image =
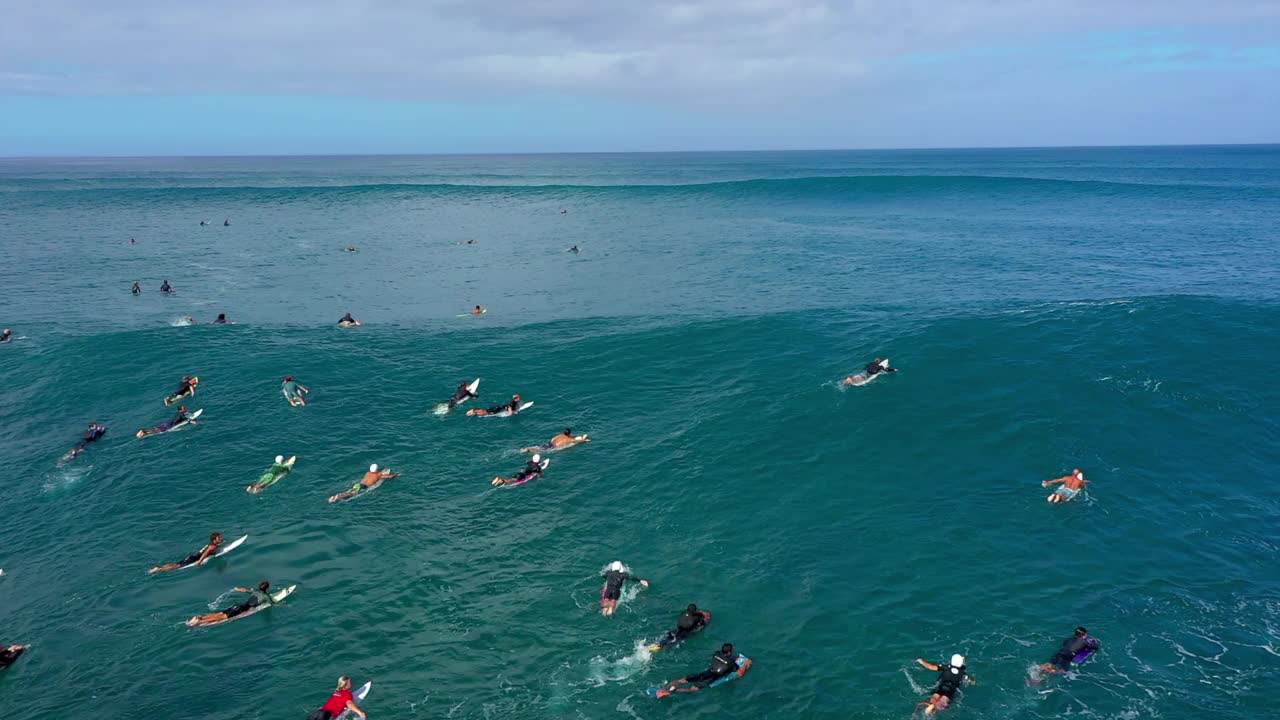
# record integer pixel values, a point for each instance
(6, 336)
(873, 368)
(1071, 647)
(186, 388)
(724, 662)
(690, 621)
(477, 310)
(531, 470)
(573, 249)
(9, 654)
(181, 417)
(348, 321)
(256, 597)
(371, 478)
(293, 391)
(1071, 486)
(94, 433)
(564, 439)
(338, 703)
(513, 407)
(196, 558)
(614, 578)
(461, 394)
(950, 677)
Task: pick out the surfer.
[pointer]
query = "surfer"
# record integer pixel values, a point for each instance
(136, 289)
(873, 368)
(165, 287)
(196, 558)
(186, 388)
(256, 597)
(513, 407)
(1078, 643)
(564, 439)
(9, 654)
(723, 663)
(348, 321)
(950, 677)
(462, 394)
(370, 479)
(6, 336)
(1071, 486)
(352, 249)
(181, 417)
(221, 319)
(477, 310)
(573, 249)
(94, 433)
(615, 576)
(690, 621)
(293, 391)
(531, 470)
(203, 223)
(338, 703)
(277, 470)
(226, 223)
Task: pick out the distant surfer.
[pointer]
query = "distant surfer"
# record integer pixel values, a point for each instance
(203, 223)
(341, 701)
(951, 676)
(513, 407)
(226, 223)
(10, 654)
(198, 557)
(6, 336)
(1078, 643)
(186, 388)
(165, 287)
(462, 394)
(93, 434)
(573, 249)
(468, 242)
(352, 249)
(256, 597)
(167, 425)
(873, 368)
(221, 319)
(132, 241)
(615, 576)
(278, 469)
(348, 321)
(690, 621)
(477, 310)
(564, 439)
(532, 469)
(1071, 486)
(293, 391)
(723, 663)
(136, 289)
(370, 479)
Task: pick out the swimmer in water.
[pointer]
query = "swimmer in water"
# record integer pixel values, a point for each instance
(370, 479)
(532, 469)
(1072, 646)
(348, 321)
(93, 434)
(951, 676)
(226, 223)
(256, 597)
(615, 576)
(198, 557)
(513, 407)
(6, 336)
(690, 621)
(136, 289)
(562, 440)
(1071, 486)
(573, 249)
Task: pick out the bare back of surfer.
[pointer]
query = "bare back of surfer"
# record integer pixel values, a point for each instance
(564, 439)
(1072, 484)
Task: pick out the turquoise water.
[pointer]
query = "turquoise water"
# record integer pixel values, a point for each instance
(1112, 309)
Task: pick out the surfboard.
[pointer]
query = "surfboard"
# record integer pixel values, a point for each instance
(221, 551)
(472, 313)
(443, 408)
(508, 413)
(359, 697)
(276, 596)
(744, 664)
(860, 379)
(269, 478)
(191, 417)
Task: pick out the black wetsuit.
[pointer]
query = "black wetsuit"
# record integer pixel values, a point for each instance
(256, 599)
(504, 408)
(531, 470)
(221, 320)
(950, 679)
(166, 288)
(721, 664)
(1071, 647)
(136, 290)
(6, 337)
(171, 424)
(184, 387)
(90, 436)
(613, 580)
(462, 393)
(687, 624)
(8, 657)
(875, 368)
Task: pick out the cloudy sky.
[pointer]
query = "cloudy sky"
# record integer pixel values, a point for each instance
(110, 77)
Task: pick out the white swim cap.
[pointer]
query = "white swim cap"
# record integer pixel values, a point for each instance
(957, 660)
(373, 468)
(537, 458)
(279, 458)
(616, 565)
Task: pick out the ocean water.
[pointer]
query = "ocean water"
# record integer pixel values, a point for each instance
(1113, 309)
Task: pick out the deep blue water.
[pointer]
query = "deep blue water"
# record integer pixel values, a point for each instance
(1113, 309)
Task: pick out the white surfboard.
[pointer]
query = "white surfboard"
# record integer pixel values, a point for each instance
(221, 551)
(508, 413)
(443, 408)
(191, 417)
(359, 697)
(861, 378)
(277, 596)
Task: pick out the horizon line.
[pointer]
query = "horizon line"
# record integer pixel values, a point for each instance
(637, 152)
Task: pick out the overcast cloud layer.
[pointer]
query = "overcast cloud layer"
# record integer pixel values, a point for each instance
(880, 64)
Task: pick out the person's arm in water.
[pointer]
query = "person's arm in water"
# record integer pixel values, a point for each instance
(1054, 481)
(928, 665)
(629, 576)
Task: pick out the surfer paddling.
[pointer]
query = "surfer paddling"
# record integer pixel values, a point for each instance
(294, 391)
(258, 596)
(462, 394)
(341, 701)
(185, 389)
(1071, 486)
(93, 434)
(873, 368)
(615, 576)
(723, 664)
(348, 321)
(510, 408)
(9, 654)
(198, 557)
(370, 480)
(179, 419)
(562, 440)
(532, 469)
(951, 676)
(1079, 645)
